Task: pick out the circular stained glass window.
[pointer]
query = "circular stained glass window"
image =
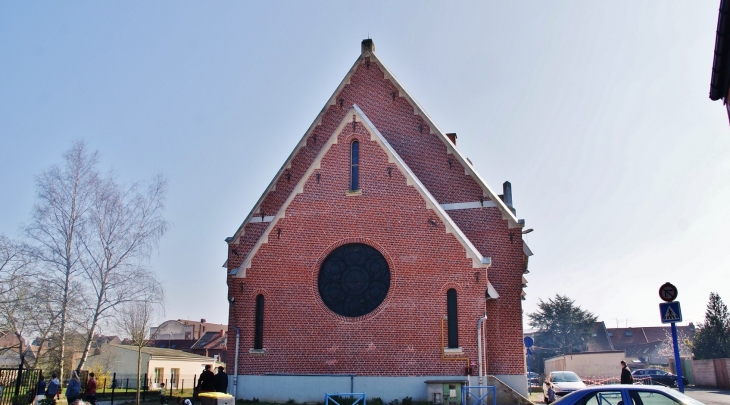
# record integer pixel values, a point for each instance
(354, 280)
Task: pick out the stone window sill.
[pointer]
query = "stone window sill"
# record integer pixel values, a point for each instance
(448, 351)
(350, 193)
(257, 352)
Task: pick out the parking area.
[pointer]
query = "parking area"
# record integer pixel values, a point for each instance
(709, 396)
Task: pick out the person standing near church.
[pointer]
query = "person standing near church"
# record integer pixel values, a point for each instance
(73, 389)
(206, 381)
(221, 380)
(91, 390)
(53, 387)
(626, 377)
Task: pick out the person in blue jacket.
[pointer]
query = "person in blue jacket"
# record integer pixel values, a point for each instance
(73, 390)
(53, 387)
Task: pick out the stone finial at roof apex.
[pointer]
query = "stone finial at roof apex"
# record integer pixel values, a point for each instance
(367, 47)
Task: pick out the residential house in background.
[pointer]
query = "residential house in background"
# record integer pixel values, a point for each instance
(642, 344)
(182, 329)
(175, 368)
(203, 338)
(212, 344)
(9, 350)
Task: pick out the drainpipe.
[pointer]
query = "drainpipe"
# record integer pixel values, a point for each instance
(235, 366)
(479, 342)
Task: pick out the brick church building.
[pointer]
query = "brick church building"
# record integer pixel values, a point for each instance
(372, 258)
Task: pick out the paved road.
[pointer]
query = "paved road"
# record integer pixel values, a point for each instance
(709, 396)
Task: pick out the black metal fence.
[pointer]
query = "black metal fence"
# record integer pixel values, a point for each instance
(18, 385)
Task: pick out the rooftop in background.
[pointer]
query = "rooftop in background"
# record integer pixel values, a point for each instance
(157, 352)
(626, 338)
(183, 329)
(176, 344)
(211, 340)
(599, 342)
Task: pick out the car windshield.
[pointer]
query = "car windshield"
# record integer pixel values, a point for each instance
(565, 377)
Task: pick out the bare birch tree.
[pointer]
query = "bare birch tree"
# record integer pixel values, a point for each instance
(123, 228)
(135, 320)
(26, 309)
(14, 264)
(65, 194)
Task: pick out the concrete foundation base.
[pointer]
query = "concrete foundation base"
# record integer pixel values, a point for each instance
(312, 388)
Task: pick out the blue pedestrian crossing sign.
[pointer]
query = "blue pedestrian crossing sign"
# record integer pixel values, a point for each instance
(670, 312)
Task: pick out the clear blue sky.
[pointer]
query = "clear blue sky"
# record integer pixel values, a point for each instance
(597, 112)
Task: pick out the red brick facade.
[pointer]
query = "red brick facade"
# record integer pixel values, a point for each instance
(315, 215)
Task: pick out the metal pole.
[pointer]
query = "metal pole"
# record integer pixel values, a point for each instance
(529, 384)
(235, 366)
(20, 377)
(114, 386)
(677, 360)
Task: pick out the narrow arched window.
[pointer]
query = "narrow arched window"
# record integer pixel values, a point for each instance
(258, 340)
(453, 320)
(354, 166)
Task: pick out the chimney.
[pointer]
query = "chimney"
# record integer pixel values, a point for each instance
(202, 320)
(452, 137)
(367, 47)
(507, 195)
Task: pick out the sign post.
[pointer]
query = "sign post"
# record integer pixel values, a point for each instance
(528, 344)
(671, 313)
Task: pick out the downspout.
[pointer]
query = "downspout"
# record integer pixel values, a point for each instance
(235, 365)
(479, 343)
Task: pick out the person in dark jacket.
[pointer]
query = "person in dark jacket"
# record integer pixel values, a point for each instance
(221, 380)
(626, 377)
(206, 381)
(40, 391)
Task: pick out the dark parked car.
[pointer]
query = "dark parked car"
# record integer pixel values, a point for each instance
(533, 378)
(618, 394)
(659, 376)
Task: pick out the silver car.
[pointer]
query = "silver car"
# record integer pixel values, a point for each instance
(625, 394)
(563, 382)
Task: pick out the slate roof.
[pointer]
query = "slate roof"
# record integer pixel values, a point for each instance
(599, 341)
(211, 340)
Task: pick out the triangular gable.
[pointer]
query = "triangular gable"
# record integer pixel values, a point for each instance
(450, 148)
(478, 261)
